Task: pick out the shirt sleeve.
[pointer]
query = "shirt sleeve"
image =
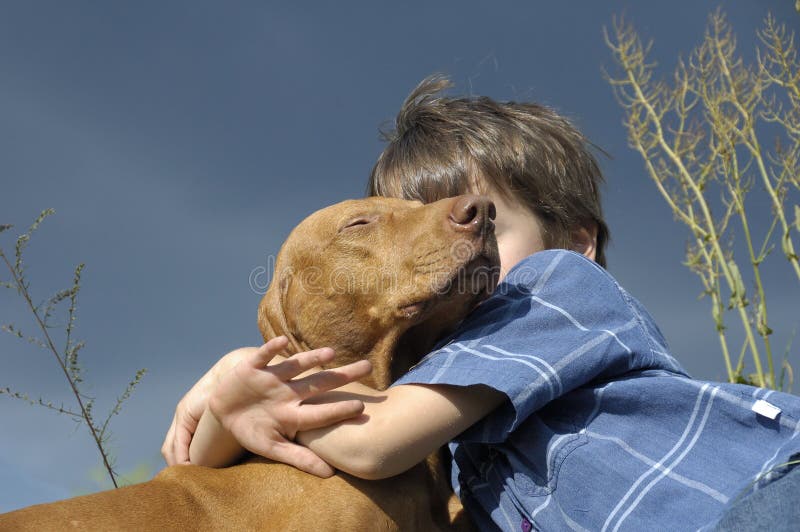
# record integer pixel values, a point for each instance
(557, 322)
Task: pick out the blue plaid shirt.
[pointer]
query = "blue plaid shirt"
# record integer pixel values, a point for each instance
(603, 429)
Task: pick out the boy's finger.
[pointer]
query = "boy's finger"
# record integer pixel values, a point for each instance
(167, 446)
(317, 416)
(267, 352)
(297, 456)
(300, 362)
(330, 379)
(183, 438)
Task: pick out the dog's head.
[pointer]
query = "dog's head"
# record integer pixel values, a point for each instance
(382, 278)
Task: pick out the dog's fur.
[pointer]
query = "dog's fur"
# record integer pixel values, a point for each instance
(378, 278)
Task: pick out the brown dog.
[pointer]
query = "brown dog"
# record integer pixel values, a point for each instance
(378, 278)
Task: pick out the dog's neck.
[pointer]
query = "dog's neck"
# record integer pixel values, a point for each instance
(382, 354)
(391, 354)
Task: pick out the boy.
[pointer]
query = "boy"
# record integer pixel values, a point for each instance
(563, 406)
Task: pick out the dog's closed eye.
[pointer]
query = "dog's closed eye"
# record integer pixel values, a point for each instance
(358, 222)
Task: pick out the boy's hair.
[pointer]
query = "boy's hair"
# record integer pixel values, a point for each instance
(443, 146)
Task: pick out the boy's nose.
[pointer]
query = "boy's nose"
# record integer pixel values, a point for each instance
(470, 212)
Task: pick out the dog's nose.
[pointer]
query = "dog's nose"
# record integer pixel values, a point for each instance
(470, 213)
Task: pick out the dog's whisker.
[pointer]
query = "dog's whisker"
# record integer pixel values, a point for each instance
(428, 254)
(437, 260)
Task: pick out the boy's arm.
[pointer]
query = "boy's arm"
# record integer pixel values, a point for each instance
(265, 410)
(399, 427)
(259, 405)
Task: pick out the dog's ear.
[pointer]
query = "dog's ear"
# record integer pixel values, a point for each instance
(271, 315)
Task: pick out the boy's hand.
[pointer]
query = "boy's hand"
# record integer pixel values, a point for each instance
(175, 448)
(262, 406)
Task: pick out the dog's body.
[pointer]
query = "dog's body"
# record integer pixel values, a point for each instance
(377, 278)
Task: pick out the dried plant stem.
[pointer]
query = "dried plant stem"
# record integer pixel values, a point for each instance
(708, 231)
(702, 134)
(751, 142)
(22, 288)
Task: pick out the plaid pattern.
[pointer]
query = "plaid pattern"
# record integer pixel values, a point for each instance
(603, 429)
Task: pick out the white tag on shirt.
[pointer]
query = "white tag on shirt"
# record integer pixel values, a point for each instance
(763, 408)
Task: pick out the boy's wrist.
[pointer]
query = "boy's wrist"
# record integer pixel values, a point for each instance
(213, 446)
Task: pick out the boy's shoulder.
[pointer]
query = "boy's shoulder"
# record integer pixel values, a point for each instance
(563, 272)
(564, 283)
(547, 259)
(548, 286)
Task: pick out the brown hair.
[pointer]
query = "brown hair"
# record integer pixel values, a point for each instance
(442, 146)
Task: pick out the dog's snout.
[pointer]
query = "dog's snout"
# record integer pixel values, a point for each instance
(470, 213)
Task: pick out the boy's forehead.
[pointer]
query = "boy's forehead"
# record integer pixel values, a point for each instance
(496, 187)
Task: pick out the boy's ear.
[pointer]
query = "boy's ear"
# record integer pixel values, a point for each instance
(584, 240)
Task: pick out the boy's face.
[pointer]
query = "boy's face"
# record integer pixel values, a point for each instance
(518, 232)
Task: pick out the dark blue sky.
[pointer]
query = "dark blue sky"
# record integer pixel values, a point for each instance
(179, 143)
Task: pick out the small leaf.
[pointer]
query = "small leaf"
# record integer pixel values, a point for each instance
(39, 219)
(787, 372)
(23, 239)
(716, 312)
(761, 320)
(71, 360)
(59, 296)
(9, 328)
(786, 246)
(797, 217)
(122, 398)
(73, 299)
(738, 291)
